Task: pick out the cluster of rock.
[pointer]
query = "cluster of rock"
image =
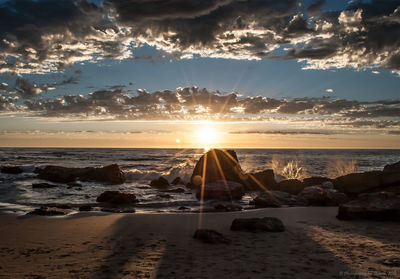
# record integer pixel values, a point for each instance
(110, 174)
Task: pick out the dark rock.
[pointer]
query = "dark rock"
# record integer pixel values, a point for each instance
(392, 167)
(177, 181)
(260, 180)
(316, 195)
(183, 208)
(111, 174)
(289, 199)
(392, 262)
(192, 186)
(380, 206)
(64, 206)
(315, 180)
(355, 183)
(117, 198)
(44, 211)
(291, 186)
(266, 224)
(221, 190)
(227, 207)
(43, 185)
(160, 183)
(11, 170)
(210, 236)
(85, 207)
(220, 165)
(267, 199)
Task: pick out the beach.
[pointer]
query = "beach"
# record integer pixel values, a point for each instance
(98, 245)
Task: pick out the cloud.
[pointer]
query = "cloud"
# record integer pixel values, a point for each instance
(45, 35)
(26, 89)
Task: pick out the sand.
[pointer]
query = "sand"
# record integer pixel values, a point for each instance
(88, 245)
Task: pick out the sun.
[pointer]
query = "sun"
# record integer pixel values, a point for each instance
(206, 136)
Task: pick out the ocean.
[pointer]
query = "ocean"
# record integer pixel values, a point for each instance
(143, 165)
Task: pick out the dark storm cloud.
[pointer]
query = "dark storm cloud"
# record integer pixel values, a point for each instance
(45, 35)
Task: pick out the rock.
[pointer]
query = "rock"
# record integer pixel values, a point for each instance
(266, 200)
(166, 196)
(44, 211)
(64, 206)
(160, 183)
(177, 181)
(277, 199)
(175, 190)
(220, 165)
(227, 207)
(315, 180)
(210, 236)
(316, 195)
(191, 186)
(117, 198)
(43, 185)
(356, 183)
(392, 167)
(380, 206)
(260, 180)
(327, 185)
(266, 224)
(291, 186)
(85, 207)
(11, 170)
(183, 208)
(111, 174)
(221, 190)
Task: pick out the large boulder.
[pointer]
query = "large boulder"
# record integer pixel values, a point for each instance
(220, 190)
(380, 206)
(316, 195)
(11, 170)
(371, 181)
(291, 186)
(117, 198)
(266, 224)
(217, 165)
(260, 180)
(111, 174)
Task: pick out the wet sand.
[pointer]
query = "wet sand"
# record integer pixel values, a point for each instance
(93, 245)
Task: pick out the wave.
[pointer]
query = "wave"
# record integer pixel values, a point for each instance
(183, 170)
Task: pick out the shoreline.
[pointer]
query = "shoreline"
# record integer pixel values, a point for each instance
(159, 245)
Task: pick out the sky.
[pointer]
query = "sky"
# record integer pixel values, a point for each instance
(210, 73)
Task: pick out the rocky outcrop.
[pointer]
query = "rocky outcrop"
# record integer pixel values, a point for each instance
(316, 195)
(175, 190)
(117, 198)
(392, 167)
(371, 181)
(291, 186)
(160, 183)
(85, 207)
(11, 170)
(315, 180)
(278, 199)
(380, 206)
(266, 224)
(210, 236)
(220, 190)
(260, 180)
(111, 174)
(217, 165)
